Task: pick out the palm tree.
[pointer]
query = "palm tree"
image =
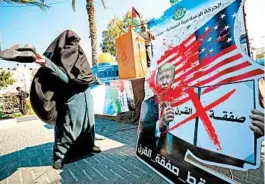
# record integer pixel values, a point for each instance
(92, 27)
(27, 2)
(91, 19)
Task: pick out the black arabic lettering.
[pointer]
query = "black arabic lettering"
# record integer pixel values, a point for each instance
(191, 179)
(212, 114)
(225, 117)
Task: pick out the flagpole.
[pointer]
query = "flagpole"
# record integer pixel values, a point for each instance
(132, 19)
(245, 24)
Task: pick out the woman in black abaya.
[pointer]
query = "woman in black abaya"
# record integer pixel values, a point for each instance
(60, 95)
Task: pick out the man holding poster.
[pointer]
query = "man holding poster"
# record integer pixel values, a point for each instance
(193, 119)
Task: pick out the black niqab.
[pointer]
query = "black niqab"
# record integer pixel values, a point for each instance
(46, 89)
(66, 53)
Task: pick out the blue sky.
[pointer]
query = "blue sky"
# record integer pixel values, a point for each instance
(31, 25)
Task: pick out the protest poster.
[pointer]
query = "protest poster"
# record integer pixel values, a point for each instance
(114, 98)
(202, 85)
(126, 91)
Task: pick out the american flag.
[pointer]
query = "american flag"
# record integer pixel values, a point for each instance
(210, 55)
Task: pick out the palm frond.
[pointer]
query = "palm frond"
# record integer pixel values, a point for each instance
(104, 4)
(28, 2)
(73, 5)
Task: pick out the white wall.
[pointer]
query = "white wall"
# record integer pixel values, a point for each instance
(23, 77)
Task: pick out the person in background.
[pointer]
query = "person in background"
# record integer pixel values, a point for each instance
(22, 97)
(148, 36)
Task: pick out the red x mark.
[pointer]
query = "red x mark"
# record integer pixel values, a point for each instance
(201, 113)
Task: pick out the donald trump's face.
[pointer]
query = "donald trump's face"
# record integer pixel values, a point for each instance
(165, 76)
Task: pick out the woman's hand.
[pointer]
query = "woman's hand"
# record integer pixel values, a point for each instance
(40, 59)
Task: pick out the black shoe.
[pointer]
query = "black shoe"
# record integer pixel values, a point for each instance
(99, 138)
(57, 165)
(96, 149)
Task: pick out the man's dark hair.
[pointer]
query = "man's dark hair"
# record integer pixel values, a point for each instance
(18, 88)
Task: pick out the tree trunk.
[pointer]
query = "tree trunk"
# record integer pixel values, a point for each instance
(93, 30)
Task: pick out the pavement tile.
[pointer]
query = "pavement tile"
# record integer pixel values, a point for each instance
(135, 171)
(24, 163)
(67, 178)
(95, 176)
(157, 180)
(103, 170)
(241, 181)
(258, 172)
(255, 179)
(129, 179)
(35, 161)
(15, 178)
(27, 176)
(143, 179)
(91, 161)
(29, 160)
(53, 176)
(239, 174)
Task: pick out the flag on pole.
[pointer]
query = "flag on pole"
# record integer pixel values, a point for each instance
(136, 18)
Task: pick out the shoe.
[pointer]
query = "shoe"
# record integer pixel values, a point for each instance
(99, 138)
(57, 165)
(96, 149)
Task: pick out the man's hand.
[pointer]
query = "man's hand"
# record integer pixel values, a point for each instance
(257, 123)
(168, 116)
(40, 60)
(151, 35)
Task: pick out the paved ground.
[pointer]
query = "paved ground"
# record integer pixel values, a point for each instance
(26, 151)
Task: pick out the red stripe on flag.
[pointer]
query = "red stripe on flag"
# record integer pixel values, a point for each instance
(225, 81)
(224, 72)
(205, 62)
(167, 54)
(188, 63)
(221, 53)
(192, 36)
(220, 64)
(173, 59)
(235, 79)
(205, 34)
(222, 38)
(181, 49)
(180, 102)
